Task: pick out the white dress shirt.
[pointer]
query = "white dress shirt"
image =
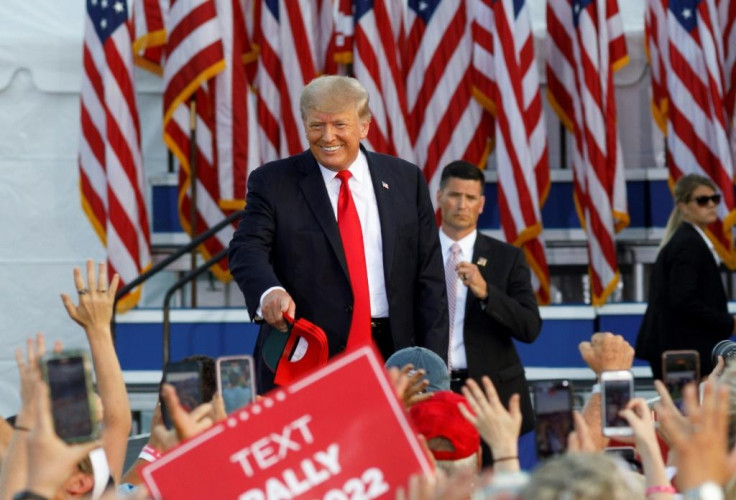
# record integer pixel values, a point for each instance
(458, 358)
(364, 197)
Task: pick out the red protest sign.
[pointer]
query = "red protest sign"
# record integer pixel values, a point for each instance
(337, 434)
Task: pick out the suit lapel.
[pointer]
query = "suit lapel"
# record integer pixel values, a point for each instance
(481, 249)
(312, 185)
(386, 206)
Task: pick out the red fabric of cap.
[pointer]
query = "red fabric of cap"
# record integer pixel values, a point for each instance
(439, 416)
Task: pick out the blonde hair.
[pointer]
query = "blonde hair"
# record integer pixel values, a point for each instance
(682, 192)
(589, 476)
(330, 93)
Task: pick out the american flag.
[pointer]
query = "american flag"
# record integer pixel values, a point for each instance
(194, 51)
(287, 62)
(727, 17)
(110, 167)
(694, 92)
(585, 45)
(508, 79)
(378, 66)
(194, 55)
(727, 21)
(209, 211)
(336, 42)
(149, 34)
(444, 121)
(236, 121)
(655, 33)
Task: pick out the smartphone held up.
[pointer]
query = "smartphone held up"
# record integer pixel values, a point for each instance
(553, 412)
(679, 368)
(236, 381)
(617, 389)
(186, 377)
(196, 380)
(69, 377)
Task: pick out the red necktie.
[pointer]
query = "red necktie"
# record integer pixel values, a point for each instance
(352, 242)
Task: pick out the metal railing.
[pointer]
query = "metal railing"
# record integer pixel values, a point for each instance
(174, 256)
(191, 275)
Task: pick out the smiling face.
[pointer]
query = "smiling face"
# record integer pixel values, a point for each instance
(699, 215)
(334, 136)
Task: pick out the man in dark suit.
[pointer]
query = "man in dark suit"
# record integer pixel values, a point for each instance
(296, 250)
(490, 296)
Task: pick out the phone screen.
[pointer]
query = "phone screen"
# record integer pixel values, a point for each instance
(236, 382)
(680, 368)
(69, 398)
(617, 396)
(186, 377)
(553, 409)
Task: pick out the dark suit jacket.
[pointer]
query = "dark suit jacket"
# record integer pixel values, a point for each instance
(289, 237)
(509, 312)
(688, 307)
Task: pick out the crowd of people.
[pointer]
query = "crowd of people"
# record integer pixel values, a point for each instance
(684, 452)
(347, 239)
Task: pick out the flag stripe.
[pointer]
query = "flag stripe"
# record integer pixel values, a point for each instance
(110, 162)
(585, 44)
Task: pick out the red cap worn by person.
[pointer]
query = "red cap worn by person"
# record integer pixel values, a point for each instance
(439, 417)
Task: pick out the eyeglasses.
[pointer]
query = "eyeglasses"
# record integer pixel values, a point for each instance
(703, 200)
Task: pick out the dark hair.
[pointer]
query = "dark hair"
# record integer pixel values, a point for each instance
(209, 378)
(462, 170)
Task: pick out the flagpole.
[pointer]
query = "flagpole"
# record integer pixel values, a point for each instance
(563, 146)
(193, 174)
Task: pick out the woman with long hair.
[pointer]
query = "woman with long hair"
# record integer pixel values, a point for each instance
(687, 301)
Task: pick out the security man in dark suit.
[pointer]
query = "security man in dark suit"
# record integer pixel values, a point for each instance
(342, 237)
(490, 296)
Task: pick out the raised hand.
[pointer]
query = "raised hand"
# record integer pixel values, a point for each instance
(96, 299)
(606, 352)
(700, 440)
(498, 426)
(50, 460)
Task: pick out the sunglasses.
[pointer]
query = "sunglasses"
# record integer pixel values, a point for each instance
(703, 200)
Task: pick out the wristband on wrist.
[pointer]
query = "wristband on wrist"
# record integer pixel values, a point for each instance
(28, 495)
(662, 488)
(595, 389)
(501, 459)
(150, 454)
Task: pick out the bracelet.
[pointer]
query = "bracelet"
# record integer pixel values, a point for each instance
(21, 428)
(150, 454)
(505, 458)
(662, 488)
(595, 389)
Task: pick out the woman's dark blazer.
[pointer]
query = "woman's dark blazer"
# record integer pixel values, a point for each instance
(688, 307)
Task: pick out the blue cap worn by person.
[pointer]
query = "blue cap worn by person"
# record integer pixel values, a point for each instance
(421, 358)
